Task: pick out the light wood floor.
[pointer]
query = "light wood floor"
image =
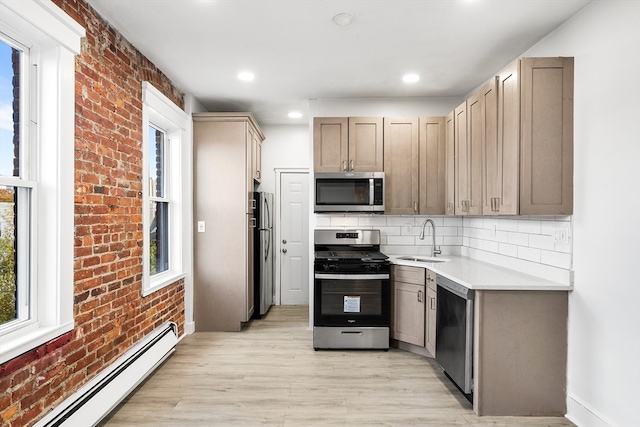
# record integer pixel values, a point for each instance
(269, 374)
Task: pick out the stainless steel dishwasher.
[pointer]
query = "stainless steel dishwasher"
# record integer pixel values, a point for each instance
(454, 333)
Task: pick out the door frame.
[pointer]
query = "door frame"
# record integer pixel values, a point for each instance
(278, 239)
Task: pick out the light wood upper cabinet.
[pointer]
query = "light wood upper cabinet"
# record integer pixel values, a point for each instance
(365, 144)
(546, 109)
(432, 147)
(401, 164)
(408, 304)
(342, 144)
(468, 157)
(513, 143)
(256, 155)
(330, 143)
(450, 170)
(502, 149)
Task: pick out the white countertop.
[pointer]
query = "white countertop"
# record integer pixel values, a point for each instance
(475, 274)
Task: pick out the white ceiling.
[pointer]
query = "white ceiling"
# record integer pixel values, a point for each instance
(297, 53)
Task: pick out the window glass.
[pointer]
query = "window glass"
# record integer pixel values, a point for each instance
(159, 206)
(8, 256)
(9, 109)
(10, 75)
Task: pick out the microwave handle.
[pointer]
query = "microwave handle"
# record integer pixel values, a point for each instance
(372, 199)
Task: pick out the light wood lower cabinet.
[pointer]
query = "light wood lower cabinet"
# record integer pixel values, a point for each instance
(408, 304)
(432, 304)
(520, 353)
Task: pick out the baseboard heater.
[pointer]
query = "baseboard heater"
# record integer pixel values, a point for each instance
(96, 399)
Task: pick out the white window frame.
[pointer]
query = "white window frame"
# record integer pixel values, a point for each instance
(161, 112)
(53, 39)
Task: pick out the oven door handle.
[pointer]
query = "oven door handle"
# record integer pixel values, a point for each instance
(379, 276)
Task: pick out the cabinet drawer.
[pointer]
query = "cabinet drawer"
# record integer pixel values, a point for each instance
(431, 280)
(406, 274)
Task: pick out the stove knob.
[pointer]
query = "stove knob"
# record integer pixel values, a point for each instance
(334, 267)
(326, 267)
(367, 267)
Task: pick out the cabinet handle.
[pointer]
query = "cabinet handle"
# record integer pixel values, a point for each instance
(258, 174)
(344, 166)
(252, 223)
(351, 165)
(419, 296)
(253, 203)
(432, 303)
(415, 206)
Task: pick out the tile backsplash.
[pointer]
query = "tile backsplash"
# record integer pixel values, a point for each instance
(540, 246)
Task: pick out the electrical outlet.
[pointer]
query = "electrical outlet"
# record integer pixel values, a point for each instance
(201, 227)
(561, 235)
(408, 227)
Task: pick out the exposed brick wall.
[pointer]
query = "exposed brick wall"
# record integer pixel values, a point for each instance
(109, 311)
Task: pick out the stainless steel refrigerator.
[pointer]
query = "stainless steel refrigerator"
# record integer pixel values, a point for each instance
(263, 253)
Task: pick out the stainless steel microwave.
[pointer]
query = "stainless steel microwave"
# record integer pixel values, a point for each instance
(349, 192)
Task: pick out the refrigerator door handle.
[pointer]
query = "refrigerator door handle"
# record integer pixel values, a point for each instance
(266, 253)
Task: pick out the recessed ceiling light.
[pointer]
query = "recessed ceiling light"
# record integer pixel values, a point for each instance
(295, 115)
(343, 19)
(246, 76)
(410, 78)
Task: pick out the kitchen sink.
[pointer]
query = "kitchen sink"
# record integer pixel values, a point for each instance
(422, 259)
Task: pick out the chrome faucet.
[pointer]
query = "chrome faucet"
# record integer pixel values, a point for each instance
(434, 251)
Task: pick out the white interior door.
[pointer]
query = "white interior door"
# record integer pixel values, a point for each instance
(294, 238)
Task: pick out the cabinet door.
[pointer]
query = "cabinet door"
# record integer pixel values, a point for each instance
(365, 144)
(547, 136)
(432, 298)
(256, 156)
(461, 161)
(432, 149)
(401, 165)
(250, 291)
(502, 159)
(450, 170)
(330, 144)
(475, 137)
(408, 313)
(430, 334)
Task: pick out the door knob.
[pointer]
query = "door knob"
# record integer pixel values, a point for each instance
(284, 251)
(284, 242)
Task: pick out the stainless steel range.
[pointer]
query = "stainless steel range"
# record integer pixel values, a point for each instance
(351, 290)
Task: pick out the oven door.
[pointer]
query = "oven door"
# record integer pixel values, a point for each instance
(351, 299)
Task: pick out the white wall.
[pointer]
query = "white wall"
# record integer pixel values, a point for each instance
(604, 314)
(284, 147)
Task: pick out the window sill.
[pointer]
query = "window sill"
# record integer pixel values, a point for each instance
(162, 280)
(21, 341)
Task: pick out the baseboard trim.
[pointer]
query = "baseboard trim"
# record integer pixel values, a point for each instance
(581, 415)
(96, 399)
